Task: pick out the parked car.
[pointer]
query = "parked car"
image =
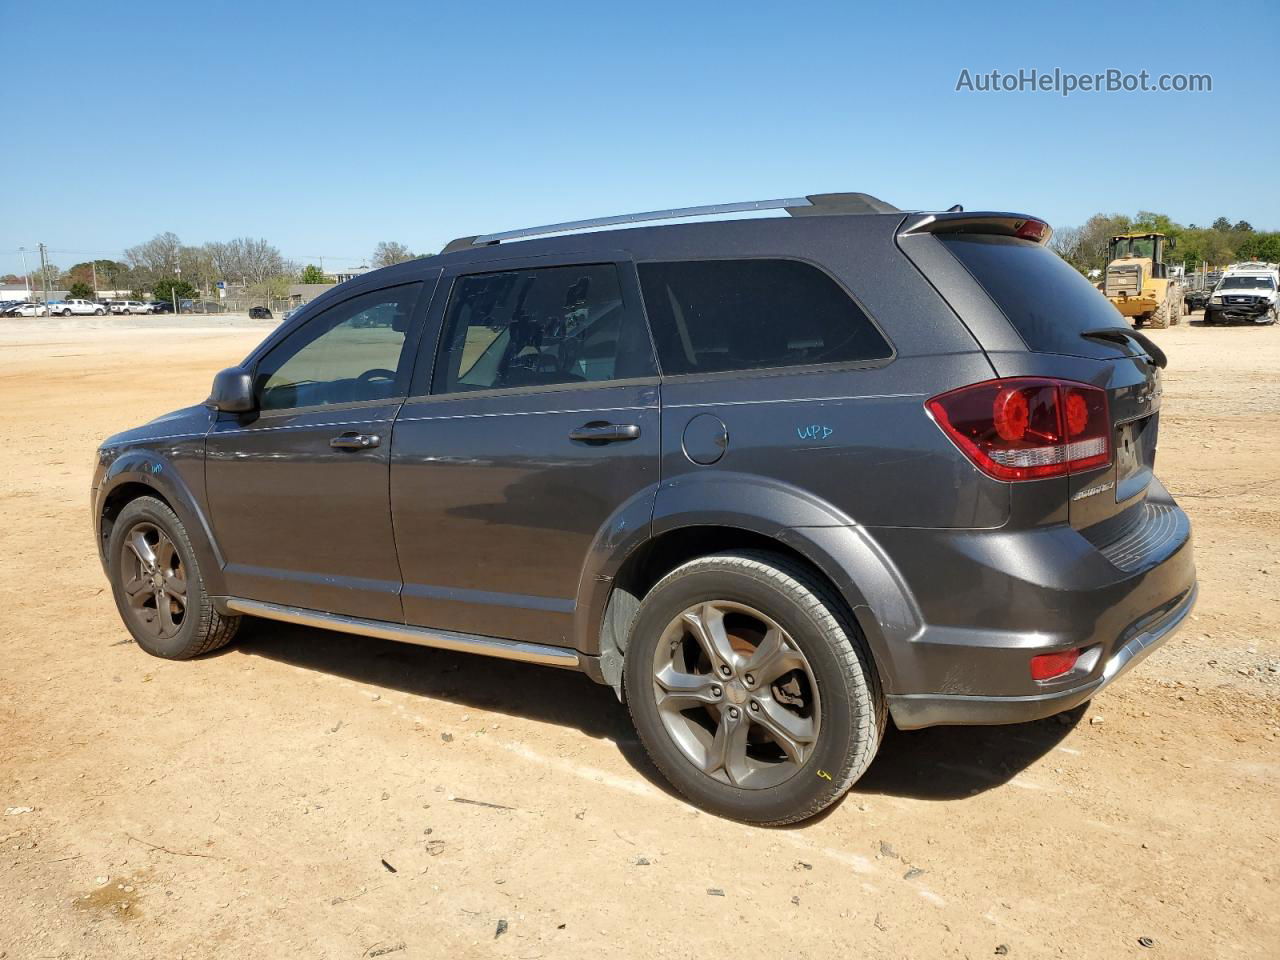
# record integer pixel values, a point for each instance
(259, 313)
(27, 309)
(80, 308)
(1197, 299)
(161, 306)
(130, 306)
(774, 481)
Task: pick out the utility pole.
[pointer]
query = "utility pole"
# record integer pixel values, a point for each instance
(94, 267)
(26, 274)
(44, 276)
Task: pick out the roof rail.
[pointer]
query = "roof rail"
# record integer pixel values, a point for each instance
(816, 205)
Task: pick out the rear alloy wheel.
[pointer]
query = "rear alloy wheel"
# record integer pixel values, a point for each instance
(750, 690)
(157, 584)
(743, 707)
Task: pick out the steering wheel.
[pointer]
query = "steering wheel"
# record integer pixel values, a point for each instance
(534, 363)
(377, 373)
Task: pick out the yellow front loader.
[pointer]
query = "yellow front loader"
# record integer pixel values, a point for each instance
(1137, 280)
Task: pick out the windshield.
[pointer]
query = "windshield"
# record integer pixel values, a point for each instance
(1247, 283)
(1132, 247)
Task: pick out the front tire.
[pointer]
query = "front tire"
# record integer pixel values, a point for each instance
(99, 313)
(751, 688)
(158, 587)
(66, 313)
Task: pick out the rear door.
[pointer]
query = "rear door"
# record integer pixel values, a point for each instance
(1049, 321)
(537, 433)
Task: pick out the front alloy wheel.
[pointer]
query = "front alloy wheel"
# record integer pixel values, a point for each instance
(158, 586)
(154, 581)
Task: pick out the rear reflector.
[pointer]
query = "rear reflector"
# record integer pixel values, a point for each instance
(1027, 428)
(1050, 665)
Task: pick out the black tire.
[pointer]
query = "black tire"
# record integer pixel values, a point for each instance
(99, 313)
(202, 628)
(1209, 319)
(66, 313)
(125, 311)
(853, 709)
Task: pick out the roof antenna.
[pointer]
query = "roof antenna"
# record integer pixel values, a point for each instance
(956, 209)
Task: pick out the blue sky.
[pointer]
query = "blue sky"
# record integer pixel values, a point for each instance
(326, 127)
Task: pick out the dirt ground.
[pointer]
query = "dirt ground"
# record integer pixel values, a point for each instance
(305, 794)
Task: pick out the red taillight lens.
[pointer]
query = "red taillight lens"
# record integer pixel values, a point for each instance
(1031, 230)
(1027, 428)
(1050, 665)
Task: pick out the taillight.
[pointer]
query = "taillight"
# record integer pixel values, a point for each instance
(1049, 665)
(1027, 428)
(1031, 230)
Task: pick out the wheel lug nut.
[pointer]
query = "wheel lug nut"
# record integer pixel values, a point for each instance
(733, 712)
(755, 706)
(725, 671)
(716, 691)
(749, 678)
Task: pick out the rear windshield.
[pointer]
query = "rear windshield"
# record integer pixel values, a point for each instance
(1048, 302)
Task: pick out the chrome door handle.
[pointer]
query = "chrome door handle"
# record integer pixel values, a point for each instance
(355, 441)
(605, 432)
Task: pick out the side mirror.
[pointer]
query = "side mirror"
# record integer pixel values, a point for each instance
(232, 391)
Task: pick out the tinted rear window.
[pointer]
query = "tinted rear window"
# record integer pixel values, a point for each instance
(714, 315)
(1047, 301)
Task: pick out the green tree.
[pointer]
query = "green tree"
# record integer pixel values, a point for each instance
(313, 274)
(1222, 224)
(167, 289)
(81, 291)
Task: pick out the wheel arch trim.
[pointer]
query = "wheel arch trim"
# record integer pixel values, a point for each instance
(827, 538)
(148, 469)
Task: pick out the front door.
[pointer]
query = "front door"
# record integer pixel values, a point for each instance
(298, 490)
(538, 431)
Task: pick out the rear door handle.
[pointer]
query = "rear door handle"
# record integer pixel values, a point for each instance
(597, 432)
(355, 441)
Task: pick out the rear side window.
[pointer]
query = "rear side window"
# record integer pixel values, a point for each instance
(714, 315)
(529, 328)
(1048, 302)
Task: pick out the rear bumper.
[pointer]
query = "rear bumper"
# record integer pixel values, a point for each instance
(912, 711)
(983, 603)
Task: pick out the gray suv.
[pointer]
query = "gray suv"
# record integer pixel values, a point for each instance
(773, 479)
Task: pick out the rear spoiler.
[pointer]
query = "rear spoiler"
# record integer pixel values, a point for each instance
(1000, 224)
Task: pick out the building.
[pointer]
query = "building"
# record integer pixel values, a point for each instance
(20, 291)
(347, 273)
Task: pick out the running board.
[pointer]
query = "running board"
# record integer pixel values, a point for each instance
(422, 636)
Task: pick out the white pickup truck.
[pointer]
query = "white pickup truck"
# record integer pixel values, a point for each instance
(80, 308)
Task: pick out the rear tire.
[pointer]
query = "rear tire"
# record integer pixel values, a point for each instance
(770, 749)
(158, 586)
(66, 313)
